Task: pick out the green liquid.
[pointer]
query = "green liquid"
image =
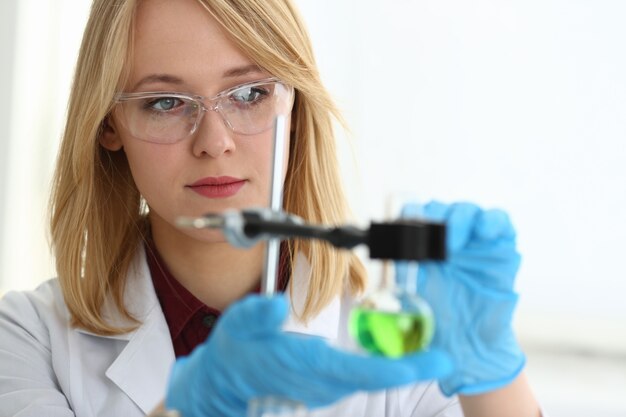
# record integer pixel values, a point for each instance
(391, 334)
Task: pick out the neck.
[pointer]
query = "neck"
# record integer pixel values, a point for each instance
(214, 272)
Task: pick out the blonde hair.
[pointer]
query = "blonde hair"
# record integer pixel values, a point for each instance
(96, 220)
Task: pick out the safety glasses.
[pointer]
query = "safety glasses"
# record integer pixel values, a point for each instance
(167, 117)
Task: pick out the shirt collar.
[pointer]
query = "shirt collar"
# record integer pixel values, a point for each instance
(178, 304)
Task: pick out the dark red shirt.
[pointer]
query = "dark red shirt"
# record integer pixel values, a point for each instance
(189, 320)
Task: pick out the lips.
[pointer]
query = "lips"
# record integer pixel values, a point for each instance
(217, 187)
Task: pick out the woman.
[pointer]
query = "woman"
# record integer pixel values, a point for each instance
(168, 116)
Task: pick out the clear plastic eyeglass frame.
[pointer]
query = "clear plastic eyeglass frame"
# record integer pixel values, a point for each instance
(246, 109)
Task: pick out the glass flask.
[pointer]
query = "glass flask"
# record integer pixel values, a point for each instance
(394, 320)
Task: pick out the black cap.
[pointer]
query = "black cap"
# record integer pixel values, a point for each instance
(408, 239)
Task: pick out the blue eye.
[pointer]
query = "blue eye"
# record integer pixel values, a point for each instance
(163, 103)
(249, 95)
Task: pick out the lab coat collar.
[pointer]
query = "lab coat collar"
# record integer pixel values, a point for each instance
(143, 365)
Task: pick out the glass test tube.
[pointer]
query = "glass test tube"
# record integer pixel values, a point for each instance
(270, 271)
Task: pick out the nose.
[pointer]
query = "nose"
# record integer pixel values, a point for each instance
(212, 137)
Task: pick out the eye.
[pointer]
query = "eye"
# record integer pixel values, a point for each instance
(249, 95)
(163, 104)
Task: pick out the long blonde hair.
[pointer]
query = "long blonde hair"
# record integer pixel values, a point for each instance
(96, 219)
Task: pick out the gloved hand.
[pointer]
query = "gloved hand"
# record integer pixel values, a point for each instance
(248, 356)
(472, 296)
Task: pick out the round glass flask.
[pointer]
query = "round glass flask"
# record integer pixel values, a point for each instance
(394, 320)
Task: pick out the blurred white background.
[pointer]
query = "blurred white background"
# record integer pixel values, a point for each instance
(512, 104)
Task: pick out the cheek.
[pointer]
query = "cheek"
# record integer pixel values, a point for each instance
(151, 167)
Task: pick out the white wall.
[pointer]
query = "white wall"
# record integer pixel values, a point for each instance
(514, 104)
(8, 10)
(41, 62)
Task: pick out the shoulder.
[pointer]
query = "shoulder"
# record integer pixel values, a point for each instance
(28, 315)
(47, 296)
(34, 326)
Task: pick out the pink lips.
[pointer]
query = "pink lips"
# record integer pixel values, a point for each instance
(217, 187)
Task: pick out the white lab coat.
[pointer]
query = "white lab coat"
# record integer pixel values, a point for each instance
(48, 369)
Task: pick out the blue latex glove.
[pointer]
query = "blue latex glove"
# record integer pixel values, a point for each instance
(248, 355)
(472, 296)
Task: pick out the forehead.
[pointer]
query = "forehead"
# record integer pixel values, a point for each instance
(181, 38)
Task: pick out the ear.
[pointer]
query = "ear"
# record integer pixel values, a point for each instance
(109, 136)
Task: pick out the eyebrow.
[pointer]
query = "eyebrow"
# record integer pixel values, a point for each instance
(170, 79)
(239, 71)
(155, 78)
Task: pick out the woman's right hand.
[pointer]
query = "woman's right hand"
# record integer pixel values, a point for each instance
(249, 356)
